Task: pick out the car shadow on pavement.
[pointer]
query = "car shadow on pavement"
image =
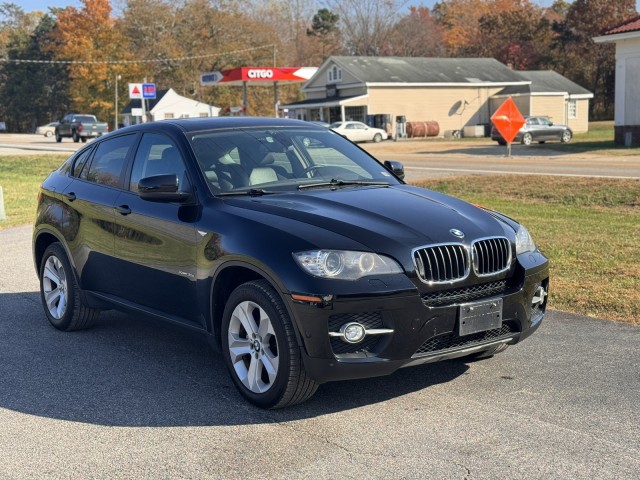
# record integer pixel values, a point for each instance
(130, 370)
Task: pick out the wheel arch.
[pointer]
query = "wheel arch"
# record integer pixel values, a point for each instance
(40, 244)
(226, 279)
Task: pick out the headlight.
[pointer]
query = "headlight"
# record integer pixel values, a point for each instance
(345, 265)
(524, 242)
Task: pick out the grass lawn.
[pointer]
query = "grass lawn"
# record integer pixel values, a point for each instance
(20, 177)
(589, 228)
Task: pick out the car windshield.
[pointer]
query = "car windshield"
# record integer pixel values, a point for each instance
(270, 160)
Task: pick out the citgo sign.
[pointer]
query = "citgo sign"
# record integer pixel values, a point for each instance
(260, 73)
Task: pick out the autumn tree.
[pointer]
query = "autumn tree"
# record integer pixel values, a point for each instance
(517, 33)
(460, 23)
(417, 35)
(89, 38)
(581, 59)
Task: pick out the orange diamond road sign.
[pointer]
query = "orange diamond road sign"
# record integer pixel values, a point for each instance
(508, 120)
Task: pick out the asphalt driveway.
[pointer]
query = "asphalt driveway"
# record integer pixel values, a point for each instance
(135, 399)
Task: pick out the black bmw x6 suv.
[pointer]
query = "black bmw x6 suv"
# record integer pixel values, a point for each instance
(302, 257)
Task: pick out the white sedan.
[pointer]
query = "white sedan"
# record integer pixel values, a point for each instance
(47, 130)
(359, 132)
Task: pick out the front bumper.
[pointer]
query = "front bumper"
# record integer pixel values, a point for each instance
(424, 329)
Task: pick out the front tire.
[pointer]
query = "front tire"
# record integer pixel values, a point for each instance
(527, 138)
(566, 136)
(260, 349)
(377, 138)
(60, 293)
(48, 134)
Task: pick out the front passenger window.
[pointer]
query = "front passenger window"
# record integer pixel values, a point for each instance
(157, 155)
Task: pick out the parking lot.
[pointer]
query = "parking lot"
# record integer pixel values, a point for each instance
(135, 399)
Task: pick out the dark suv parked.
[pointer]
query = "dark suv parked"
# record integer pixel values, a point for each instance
(304, 258)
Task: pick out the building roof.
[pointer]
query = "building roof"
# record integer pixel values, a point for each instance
(545, 81)
(423, 70)
(630, 25)
(151, 102)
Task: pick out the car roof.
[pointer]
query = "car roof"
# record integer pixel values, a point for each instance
(209, 123)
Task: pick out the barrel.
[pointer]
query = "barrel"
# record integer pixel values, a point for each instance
(429, 128)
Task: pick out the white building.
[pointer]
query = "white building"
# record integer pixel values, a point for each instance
(626, 36)
(167, 104)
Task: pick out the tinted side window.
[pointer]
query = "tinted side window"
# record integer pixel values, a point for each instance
(156, 155)
(80, 162)
(109, 160)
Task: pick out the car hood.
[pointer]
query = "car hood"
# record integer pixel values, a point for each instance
(381, 218)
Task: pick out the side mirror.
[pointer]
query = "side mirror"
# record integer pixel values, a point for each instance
(161, 188)
(397, 168)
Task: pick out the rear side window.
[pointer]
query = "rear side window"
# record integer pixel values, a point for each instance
(109, 161)
(80, 162)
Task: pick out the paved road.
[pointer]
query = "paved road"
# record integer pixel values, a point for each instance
(134, 399)
(428, 159)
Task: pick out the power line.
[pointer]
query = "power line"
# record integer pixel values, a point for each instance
(129, 62)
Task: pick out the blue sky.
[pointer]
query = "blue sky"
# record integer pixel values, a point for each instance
(29, 5)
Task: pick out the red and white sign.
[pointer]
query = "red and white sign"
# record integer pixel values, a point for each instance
(135, 90)
(236, 76)
(508, 120)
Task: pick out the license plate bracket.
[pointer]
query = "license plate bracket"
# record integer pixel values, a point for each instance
(475, 317)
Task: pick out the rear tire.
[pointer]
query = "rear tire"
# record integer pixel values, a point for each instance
(260, 349)
(75, 137)
(58, 137)
(501, 142)
(60, 293)
(48, 134)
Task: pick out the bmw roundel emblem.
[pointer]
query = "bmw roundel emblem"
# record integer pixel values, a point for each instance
(456, 233)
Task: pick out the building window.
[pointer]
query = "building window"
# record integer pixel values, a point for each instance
(335, 74)
(168, 116)
(572, 108)
(357, 114)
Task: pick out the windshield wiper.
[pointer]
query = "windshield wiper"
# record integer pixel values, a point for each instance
(250, 192)
(342, 183)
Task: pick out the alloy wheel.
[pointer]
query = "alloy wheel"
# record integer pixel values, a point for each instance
(253, 347)
(55, 288)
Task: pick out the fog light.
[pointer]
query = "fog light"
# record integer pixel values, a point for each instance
(352, 332)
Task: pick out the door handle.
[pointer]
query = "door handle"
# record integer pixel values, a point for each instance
(70, 196)
(123, 210)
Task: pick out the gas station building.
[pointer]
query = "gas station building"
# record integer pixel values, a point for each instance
(460, 94)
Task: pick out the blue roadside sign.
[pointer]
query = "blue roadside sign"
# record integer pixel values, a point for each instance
(148, 90)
